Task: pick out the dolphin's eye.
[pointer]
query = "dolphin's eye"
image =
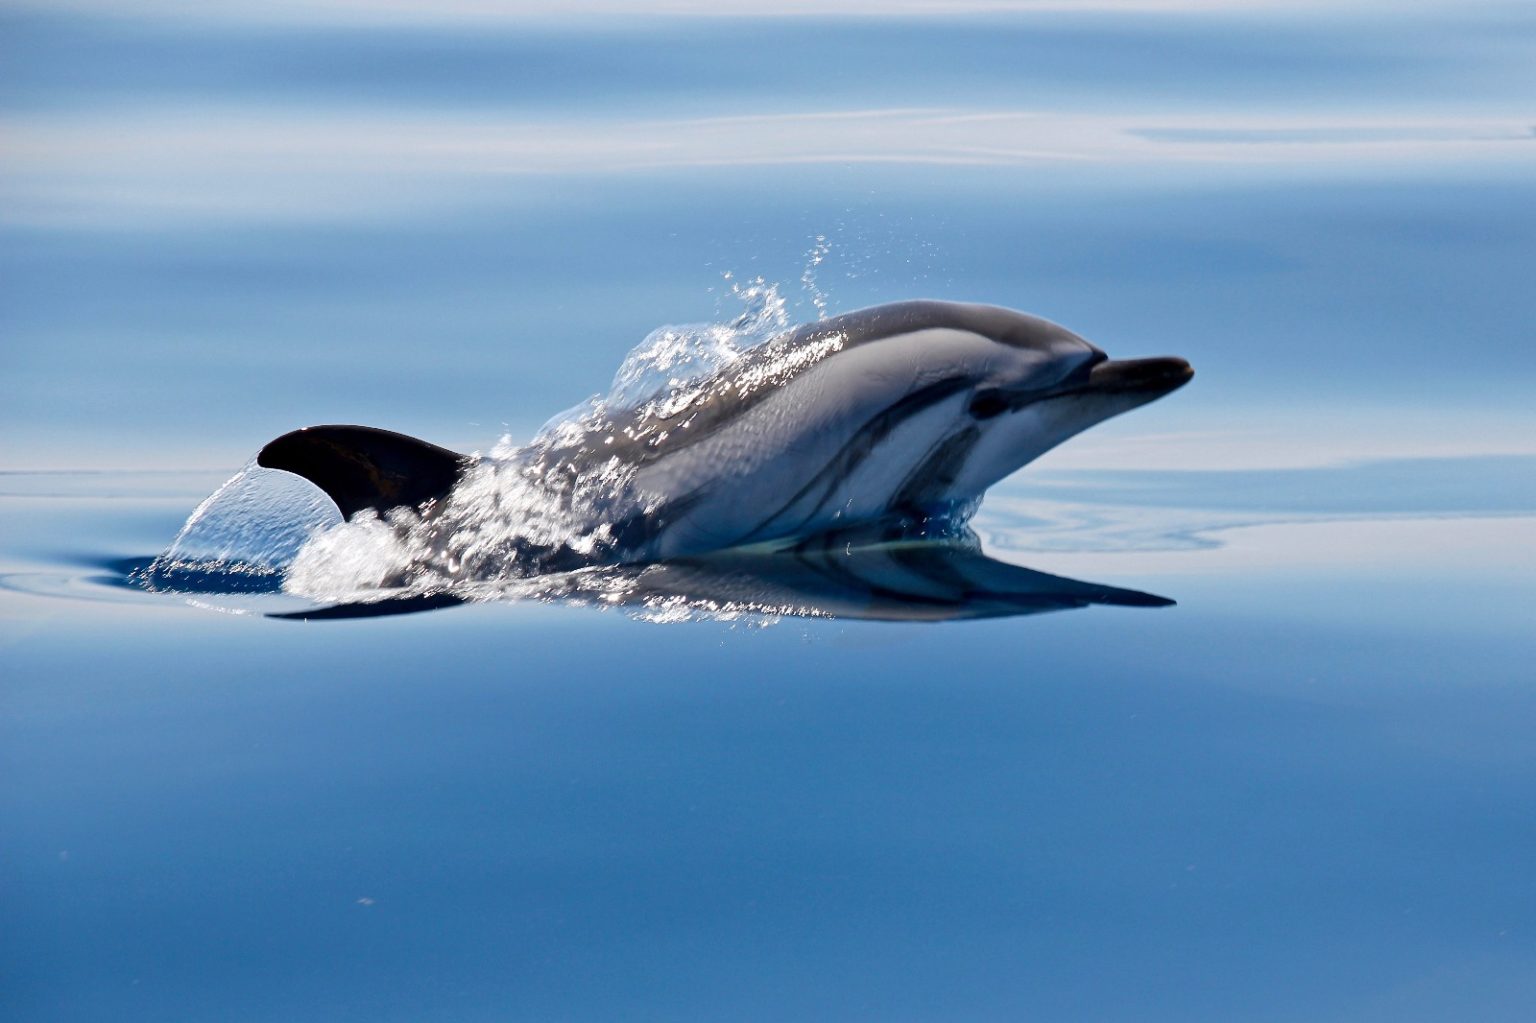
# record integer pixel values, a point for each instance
(987, 404)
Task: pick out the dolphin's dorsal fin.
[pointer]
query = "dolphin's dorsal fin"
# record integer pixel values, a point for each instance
(359, 467)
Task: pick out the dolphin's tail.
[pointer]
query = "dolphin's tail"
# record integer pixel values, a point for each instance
(360, 467)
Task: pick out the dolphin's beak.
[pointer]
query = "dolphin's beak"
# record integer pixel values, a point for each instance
(1151, 377)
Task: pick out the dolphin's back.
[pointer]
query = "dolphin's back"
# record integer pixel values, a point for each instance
(881, 322)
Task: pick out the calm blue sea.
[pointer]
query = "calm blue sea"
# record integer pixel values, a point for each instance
(1305, 792)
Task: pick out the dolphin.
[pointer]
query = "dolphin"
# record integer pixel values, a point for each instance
(888, 417)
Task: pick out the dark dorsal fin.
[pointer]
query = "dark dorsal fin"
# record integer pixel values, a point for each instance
(359, 467)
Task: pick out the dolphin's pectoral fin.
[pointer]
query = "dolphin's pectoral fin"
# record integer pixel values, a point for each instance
(360, 467)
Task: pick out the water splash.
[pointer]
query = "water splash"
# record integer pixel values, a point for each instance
(813, 260)
(677, 357)
(567, 500)
(243, 535)
(520, 513)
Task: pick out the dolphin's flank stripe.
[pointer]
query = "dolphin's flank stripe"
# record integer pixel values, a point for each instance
(926, 485)
(859, 447)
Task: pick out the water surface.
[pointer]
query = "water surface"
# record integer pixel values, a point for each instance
(1302, 793)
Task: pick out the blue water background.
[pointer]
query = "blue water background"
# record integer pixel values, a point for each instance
(161, 291)
(1303, 794)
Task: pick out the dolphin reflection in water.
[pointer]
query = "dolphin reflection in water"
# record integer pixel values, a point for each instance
(828, 470)
(904, 581)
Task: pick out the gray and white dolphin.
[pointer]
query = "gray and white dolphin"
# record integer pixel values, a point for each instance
(893, 415)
